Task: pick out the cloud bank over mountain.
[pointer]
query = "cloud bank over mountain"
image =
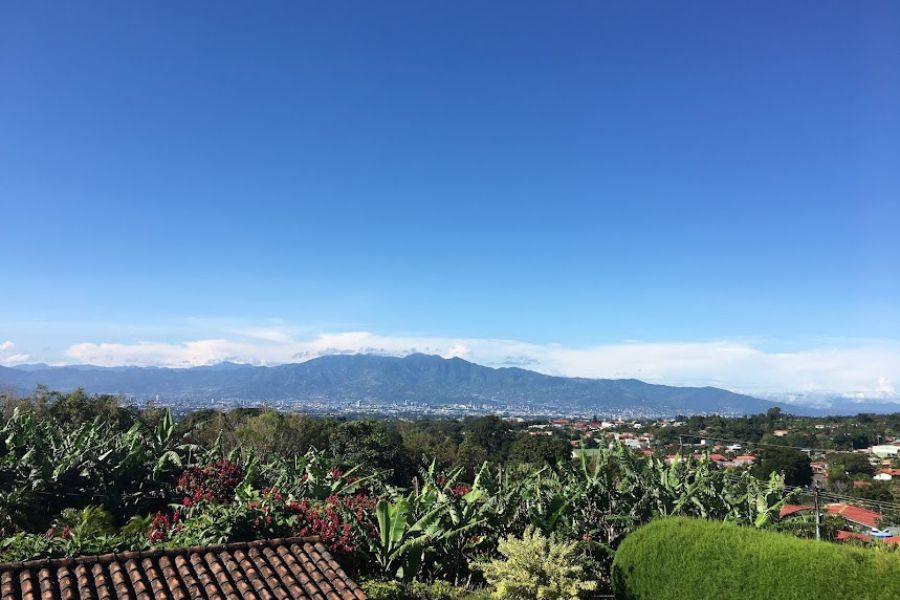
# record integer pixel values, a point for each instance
(868, 369)
(9, 354)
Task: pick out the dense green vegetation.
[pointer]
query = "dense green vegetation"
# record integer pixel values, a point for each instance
(690, 558)
(420, 507)
(792, 463)
(834, 433)
(777, 439)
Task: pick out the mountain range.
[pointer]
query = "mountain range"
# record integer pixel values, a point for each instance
(414, 379)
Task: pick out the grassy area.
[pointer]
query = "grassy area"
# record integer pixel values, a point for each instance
(681, 558)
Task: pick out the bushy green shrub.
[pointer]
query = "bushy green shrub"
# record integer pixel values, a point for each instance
(385, 590)
(74, 532)
(438, 590)
(681, 558)
(537, 567)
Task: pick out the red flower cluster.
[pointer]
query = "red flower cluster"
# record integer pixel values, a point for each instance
(273, 493)
(159, 528)
(329, 519)
(162, 525)
(210, 483)
(337, 473)
(66, 533)
(461, 490)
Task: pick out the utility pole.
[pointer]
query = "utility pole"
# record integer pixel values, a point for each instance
(818, 518)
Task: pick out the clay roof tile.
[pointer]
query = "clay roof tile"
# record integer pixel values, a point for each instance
(277, 569)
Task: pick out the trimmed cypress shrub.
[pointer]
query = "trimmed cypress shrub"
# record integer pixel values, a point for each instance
(681, 558)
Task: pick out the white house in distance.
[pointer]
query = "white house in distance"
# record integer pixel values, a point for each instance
(887, 474)
(886, 451)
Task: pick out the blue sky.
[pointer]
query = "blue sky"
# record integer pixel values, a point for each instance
(573, 175)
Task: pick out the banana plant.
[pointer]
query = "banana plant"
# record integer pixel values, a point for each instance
(315, 477)
(405, 537)
(769, 498)
(162, 442)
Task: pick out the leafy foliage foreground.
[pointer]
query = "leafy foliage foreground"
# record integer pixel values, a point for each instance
(93, 483)
(672, 559)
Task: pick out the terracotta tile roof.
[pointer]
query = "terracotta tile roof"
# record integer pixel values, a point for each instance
(847, 535)
(855, 514)
(288, 568)
(790, 509)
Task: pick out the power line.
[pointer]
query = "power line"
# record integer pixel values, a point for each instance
(877, 503)
(764, 444)
(833, 495)
(842, 498)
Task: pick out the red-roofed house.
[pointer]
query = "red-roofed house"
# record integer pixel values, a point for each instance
(854, 514)
(887, 474)
(850, 535)
(743, 460)
(790, 509)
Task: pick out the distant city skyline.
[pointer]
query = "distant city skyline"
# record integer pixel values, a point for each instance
(686, 194)
(859, 368)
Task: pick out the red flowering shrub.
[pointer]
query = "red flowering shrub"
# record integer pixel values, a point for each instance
(461, 490)
(210, 510)
(159, 528)
(333, 520)
(163, 527)
(210, 483)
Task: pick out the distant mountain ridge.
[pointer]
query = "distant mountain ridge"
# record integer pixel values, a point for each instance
(417, 378)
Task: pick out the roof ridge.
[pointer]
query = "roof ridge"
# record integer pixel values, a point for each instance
(37, 563)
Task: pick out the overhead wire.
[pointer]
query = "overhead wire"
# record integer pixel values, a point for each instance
(841, 498)
(827, 494)
(766, 444)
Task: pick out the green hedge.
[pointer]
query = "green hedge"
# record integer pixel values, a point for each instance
(682, 558)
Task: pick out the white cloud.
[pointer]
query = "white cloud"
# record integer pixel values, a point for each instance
(186, 354)
(10, 356)
(865, 369)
